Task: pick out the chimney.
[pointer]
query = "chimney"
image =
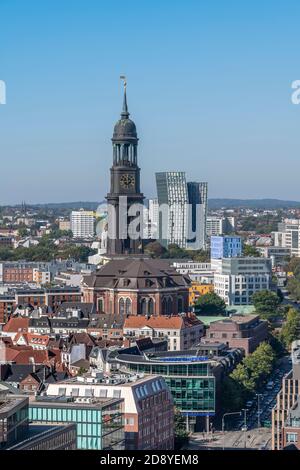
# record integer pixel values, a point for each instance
(31, 359)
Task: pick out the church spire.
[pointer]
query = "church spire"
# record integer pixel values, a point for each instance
(125, 113)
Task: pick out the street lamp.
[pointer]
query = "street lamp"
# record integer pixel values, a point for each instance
(258, 395)
(245, 426)
(223, 422)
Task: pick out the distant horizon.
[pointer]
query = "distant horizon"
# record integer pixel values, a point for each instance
(227, 199)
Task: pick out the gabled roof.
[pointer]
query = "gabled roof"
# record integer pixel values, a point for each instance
(82, 338)
(16, 324)
(33, 339)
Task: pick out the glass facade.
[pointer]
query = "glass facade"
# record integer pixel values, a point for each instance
(13, 424)
(192, 384)
(98, 428)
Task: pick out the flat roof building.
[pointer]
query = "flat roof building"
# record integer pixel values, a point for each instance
(148, 405)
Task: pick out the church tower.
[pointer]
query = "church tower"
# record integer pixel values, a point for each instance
(124, 181)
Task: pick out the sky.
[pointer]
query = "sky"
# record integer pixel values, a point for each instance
(209, 88)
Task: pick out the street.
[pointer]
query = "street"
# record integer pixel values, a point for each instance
(254, 432)
(259, 439)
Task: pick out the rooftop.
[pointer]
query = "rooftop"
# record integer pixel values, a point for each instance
(71, 402)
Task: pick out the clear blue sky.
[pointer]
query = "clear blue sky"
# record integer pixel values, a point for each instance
(209, 87)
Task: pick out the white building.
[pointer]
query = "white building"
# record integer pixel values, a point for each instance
(173, 208)
(200, 272)
(277, 254)
(153, 217)
(83, 224)
(288, 236)
(216, 225)
(237, 279)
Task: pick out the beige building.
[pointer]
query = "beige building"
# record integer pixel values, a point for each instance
(182, 332)
(286, 398)
(148, 405)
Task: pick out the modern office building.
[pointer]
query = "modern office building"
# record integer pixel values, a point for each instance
(197, 272)
(148, 407)
(83, 224)
(16, 432)
(288, 236)
(278, 254)
(225, 247)
(237, 279)
(192, 377)
(14, 420)
(197, 196)
(99, 421)
(48, 437)
(172, 198)
(216, 225)
(153, 217)
(287, 400)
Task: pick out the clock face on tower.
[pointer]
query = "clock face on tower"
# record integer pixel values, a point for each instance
(127, 181)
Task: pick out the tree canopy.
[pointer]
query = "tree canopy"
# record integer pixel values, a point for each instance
(210, 304)
(266, 303)
(248, 376)
(249, 250)
(291, 328)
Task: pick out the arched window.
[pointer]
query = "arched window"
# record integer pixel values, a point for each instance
(180, 305)
(144, 306)
(101, 304)
(169, 306)
(150, 306)
(128, 306)
(164, 306)
(121, 306)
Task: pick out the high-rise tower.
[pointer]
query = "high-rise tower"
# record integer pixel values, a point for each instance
(125, 181)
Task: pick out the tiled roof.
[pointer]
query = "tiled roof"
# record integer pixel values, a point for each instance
(16, 324)
(155, 322)
(33, 339)
(144, 273)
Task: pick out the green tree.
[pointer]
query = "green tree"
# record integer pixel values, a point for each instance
(242, 375)
(294, 266)
(155, 249)
(210, 304)
(22, 231)
(249, 250)
(293, 287)
(260, 362)
(232, 397)
(266, 303)
(249, 376)
(181, 434)
(291, 328)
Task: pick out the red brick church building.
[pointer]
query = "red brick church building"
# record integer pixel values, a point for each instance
(137, 286)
